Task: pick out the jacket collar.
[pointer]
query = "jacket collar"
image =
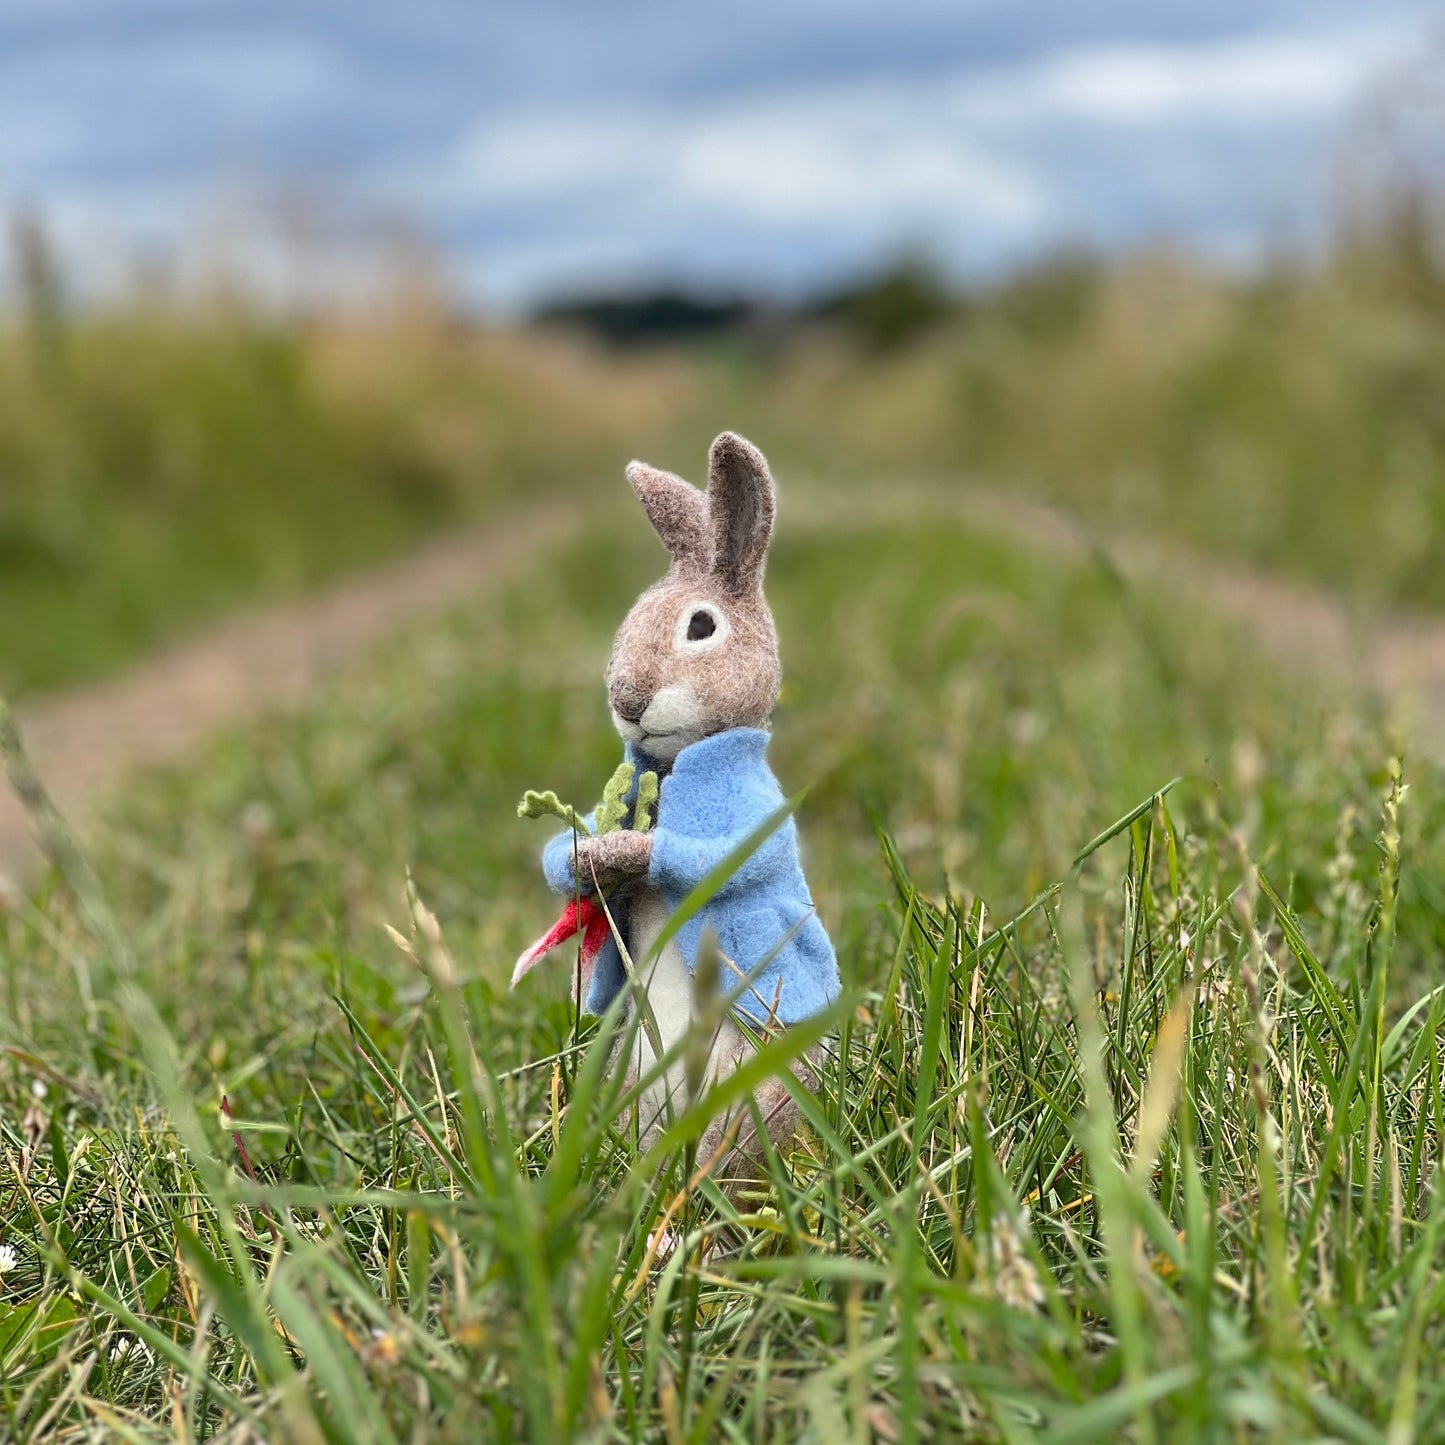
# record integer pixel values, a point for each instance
(735, 748)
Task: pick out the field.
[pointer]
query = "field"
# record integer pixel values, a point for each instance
(162, 465)
(1131, 1121)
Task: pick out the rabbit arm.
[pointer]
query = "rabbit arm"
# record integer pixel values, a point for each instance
(557, 860)
(604, 862)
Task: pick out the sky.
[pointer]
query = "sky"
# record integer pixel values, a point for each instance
(557, 147)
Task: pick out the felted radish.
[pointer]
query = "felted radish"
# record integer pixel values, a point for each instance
(586, 915)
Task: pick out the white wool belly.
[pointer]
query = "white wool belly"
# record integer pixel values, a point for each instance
(669, 993)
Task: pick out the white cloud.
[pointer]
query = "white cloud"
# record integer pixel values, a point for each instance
(1252, 79)
(968, 160)
(531, 157)
(827, 150)
(832, 163)
(818, 159)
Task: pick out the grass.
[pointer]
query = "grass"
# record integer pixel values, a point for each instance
(1135, 1137)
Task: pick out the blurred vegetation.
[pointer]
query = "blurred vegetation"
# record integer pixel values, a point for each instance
(161, 462)
(651, 318)
(1295, 420)
(891, 309)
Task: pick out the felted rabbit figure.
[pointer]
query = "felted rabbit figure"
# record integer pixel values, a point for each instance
(692, 681)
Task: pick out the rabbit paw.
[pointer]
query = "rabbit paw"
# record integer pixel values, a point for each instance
(614, 856)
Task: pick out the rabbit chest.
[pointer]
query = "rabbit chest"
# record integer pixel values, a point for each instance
(669, 995)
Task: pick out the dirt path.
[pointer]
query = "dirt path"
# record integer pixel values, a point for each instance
(1399, 658)
(84, 741)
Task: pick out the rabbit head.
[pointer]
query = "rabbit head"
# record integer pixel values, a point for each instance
(698, 653)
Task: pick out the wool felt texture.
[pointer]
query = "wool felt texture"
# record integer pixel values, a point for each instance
(677, 511)
(732, 686)
(741, 506)
(719, 790)
(717, 541)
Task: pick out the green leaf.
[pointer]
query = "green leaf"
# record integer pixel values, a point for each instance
(938, 982)
(1127, 821)
(14, 1321)
(418, 1263)
(1392, 1042)
(647, 787)
(153, 1292)
(34, 1335)
(233, 1303)
(541, 805)
(329, 1358)
(612, 811)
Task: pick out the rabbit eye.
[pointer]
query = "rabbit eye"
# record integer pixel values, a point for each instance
(701, 627)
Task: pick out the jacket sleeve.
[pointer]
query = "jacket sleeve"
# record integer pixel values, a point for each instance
(557, 859)
(680, 862)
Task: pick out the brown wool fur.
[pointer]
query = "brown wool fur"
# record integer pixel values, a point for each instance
(718, 544)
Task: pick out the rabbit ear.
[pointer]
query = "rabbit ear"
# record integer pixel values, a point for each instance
(676, 510)
(740, 504)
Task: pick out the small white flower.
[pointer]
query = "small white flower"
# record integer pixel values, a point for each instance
(8, 1261)
(127, 1345)
(38, 1088)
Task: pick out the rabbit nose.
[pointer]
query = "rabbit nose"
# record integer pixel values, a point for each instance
(629, 702)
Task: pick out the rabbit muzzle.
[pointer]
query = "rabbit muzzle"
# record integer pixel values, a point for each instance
(673, 718)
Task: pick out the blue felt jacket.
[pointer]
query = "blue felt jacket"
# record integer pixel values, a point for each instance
(719, 790)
